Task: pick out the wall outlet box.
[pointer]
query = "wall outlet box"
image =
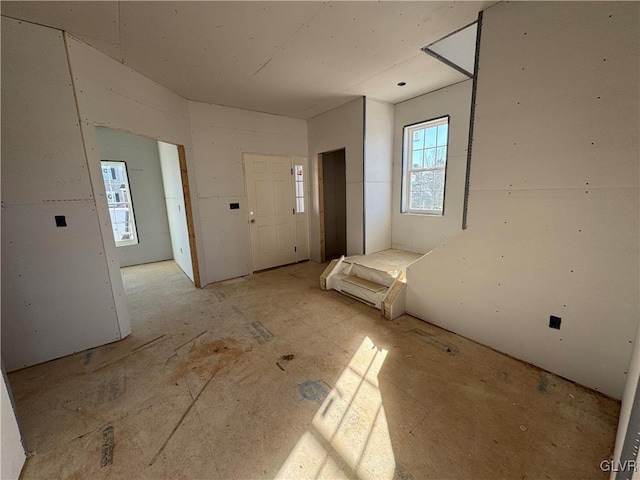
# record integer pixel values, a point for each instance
(554, 322)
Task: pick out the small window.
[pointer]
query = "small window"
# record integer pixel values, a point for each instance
(298, 179)
(424, 166)
(116, 185)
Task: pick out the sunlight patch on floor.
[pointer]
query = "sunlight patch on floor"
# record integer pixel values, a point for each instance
(350, 435)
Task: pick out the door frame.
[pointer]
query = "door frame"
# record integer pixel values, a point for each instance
(188, 211)
(292, 198)
(186, 193)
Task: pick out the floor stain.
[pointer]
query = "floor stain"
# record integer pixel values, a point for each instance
(283, 360)
(87, 357)
(203, 356)
(544, 382)
(259, 332)
(433, 341)
(313, 390)
(108, 442)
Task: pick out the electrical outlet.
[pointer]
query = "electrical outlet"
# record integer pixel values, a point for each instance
(554, 322)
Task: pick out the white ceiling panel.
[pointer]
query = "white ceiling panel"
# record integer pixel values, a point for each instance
(98, 20)
(420, 74)
(297, 59)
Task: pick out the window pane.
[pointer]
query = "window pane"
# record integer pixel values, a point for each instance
(418, 139)
(427, 190)
(416, 159)
(430, 158)
(442, 134)
(425, 165)
(441, 157)
(298, 171)
(439, 200)
(438, 180)
(118, 200)
(299, 192)
(300, 205)
(431, 137)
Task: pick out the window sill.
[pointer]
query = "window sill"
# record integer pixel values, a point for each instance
(415, 214)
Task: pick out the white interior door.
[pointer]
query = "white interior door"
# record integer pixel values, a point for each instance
(271, 210)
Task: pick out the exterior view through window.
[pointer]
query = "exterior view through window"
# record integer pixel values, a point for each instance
(424, 166)
(298, 178)
(116, 184)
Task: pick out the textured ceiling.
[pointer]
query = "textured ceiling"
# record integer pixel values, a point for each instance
(297, 59)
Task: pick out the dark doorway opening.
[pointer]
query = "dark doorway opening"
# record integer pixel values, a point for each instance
(333, 204)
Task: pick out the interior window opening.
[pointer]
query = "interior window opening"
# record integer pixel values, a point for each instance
(424, 166)
(116, 185)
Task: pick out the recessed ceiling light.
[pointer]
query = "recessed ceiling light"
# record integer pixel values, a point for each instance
(402, 84)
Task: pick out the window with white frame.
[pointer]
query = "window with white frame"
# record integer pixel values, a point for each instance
(116, 185)
(424, 166)
(298, 179)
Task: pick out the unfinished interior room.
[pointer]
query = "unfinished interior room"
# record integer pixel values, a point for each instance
(303, 240)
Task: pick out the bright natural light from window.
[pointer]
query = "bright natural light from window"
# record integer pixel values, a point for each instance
(425, 163)
(116, 184)
(298, 178)
(349, 434)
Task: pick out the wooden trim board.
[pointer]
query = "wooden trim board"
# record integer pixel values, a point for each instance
(189, 213)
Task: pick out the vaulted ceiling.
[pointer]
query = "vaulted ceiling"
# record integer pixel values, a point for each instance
(297, 59)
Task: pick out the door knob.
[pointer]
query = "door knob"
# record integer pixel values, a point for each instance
(253, 220)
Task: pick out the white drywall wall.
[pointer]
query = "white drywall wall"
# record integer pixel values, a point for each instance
(553, 205)
(147, 193)
(342, 127)
(13, 456)
(422, 233)
(175, 210)
(220, 137)
(459, 48)
(112, 95)
(56, 291)
(378, 161)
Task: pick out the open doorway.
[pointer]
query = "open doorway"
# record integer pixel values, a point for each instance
(333, 204)
(147, 193)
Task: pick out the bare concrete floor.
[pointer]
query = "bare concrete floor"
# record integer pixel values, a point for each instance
(269, 376)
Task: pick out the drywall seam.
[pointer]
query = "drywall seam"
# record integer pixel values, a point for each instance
(471, 120)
